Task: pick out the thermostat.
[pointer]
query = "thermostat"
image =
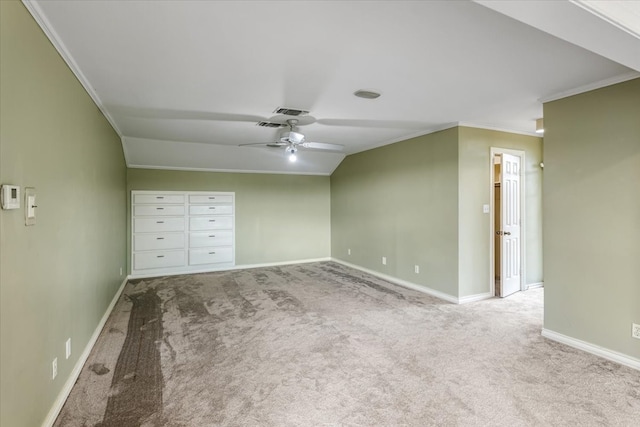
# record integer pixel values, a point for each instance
(10, 197)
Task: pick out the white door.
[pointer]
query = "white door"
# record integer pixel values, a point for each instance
(509, 225)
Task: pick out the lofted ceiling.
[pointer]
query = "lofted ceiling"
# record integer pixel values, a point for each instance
(185, 82)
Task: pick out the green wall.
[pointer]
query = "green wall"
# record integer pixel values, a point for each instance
(400, 201)
(58, 276)
(474, 226)
(592, 216)
(420, 202)
(279, 218)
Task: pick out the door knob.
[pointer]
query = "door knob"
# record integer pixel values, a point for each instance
(507, 233)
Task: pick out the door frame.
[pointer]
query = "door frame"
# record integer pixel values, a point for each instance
(492, 218)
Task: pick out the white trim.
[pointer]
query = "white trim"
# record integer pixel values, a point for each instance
(178, 168)
(591, 86)
(231, 268)
(77, 369)
(400, 282)
(535, 285)
(614, 356)
(474, 298)
(429, 131)
(492, 217)
(41, 18)
(498, 129)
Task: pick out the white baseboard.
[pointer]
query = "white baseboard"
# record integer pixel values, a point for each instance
(614, 356)
(75, 373)
(400, 282)
(275, 264)
(535, 285)
(474, 298)
(234, 267)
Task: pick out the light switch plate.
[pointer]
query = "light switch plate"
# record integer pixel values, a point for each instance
(485, 208)
(30, 206)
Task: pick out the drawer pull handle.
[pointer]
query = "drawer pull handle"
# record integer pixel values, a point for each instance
(159, 197)
(212, 253)
(159, 222)
(160, 256)
(212, 220)
(159, 238)
(212, 198)
(211, 207)
(212, 235)
(160, 209)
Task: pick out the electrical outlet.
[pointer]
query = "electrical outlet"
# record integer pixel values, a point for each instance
(635, 330)
(54, 369)
(348, 251)
(416, 269)
(67, 348)
(121, 271)
(384, 260)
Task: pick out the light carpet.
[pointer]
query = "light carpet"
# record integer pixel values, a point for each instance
(325, 345)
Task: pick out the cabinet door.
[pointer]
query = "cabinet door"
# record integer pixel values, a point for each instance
(213, 238)
(158, 241)
(210, 255)
(158, 224)
(210, 198)
(210, 210)
(157, 199)
(210, 223)
(155, 210)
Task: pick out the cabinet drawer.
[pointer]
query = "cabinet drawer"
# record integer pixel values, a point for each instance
(154, 210)
(158, 224)
(210, 256)
(158, 259)
(210, 198)
(210, 210)
(210, 223)
(215, 238)
(157, 199)
(156, 241)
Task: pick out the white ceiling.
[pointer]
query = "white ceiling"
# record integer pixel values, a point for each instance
(184, 82)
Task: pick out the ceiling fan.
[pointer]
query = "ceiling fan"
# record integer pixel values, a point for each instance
(291, 139)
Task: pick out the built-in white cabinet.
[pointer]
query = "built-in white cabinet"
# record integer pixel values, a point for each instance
(181, 232)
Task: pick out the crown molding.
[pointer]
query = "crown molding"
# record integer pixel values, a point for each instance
(41, 19)
(591, 86)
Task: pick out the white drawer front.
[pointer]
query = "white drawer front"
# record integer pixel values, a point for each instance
(210, 210)
(210, 223)
(158, 224)
(210, 198)
(158, 259)
(156, 199)
(214, 238)
(154, 210)
(210, 256)
(156, 241)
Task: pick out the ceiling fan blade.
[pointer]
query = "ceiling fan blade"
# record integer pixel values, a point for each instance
(268, 144)
(165, 114)
(322, 146)
(392, 124)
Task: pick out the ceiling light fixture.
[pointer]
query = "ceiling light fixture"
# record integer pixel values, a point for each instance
(366, 94)
(539, 126)
(291, 150)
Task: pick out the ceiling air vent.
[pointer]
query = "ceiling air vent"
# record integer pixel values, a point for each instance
(290, 111)
(270, 125)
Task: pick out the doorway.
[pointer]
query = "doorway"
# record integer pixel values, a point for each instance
(507, 241)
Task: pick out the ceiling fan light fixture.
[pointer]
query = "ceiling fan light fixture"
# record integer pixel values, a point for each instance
(366, 94)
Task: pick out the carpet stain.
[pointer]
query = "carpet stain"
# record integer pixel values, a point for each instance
(137, 376)
(99, 368)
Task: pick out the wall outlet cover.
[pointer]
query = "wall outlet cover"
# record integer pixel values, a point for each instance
(67, 348)
(635, 330)
(384, 260)
(54, 368)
